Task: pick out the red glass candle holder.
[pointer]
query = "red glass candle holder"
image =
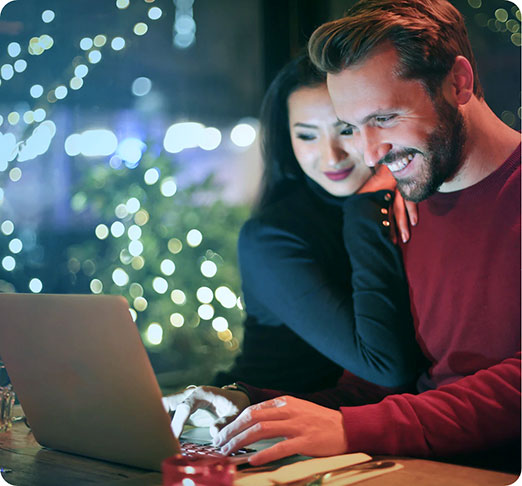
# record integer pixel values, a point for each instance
(179, 470)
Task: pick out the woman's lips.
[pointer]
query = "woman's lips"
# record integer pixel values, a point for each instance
(339, 175)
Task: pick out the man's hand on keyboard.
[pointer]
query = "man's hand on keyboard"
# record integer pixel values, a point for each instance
(224, 405)
(309, 429)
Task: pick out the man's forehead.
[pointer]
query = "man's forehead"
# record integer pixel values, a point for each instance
(355, 98)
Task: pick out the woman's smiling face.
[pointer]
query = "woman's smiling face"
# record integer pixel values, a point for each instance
(322, 145)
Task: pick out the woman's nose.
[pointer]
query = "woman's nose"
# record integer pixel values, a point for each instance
(333, 154)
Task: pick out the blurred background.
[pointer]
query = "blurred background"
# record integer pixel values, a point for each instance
(129, 151)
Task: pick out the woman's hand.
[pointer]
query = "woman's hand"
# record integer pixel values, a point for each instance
(224, 405)
(309, 429)
(403, 213)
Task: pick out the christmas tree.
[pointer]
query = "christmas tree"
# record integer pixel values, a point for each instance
(172, 253)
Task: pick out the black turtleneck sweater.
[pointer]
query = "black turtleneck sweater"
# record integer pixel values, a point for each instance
(325, 290)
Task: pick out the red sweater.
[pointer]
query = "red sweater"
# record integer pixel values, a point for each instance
(463, 266)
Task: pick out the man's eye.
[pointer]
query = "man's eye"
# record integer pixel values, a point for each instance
(347, 131)
(385, 118)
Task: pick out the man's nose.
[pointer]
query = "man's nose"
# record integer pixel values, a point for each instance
(374, 146)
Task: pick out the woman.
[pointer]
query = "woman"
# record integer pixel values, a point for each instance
(323, 283)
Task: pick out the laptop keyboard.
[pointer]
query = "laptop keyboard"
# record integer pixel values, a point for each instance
(194, 451)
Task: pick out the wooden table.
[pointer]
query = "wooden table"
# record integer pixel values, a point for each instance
(32, 465)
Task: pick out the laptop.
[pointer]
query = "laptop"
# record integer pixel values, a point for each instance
(84, 380)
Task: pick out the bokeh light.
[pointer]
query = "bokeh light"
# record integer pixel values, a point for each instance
(94, 56)
(35, 285)
(91, 143)
(155, 13)
(208, 269)
(131, 150)
(121, 211)
(81, 70)
(7, 227)
(183, 135)
(167, 267)
(136, 248)
(100, 40)
(14, 49)
(101, 231)
(177, 320)
(151, 176)
(140, 28)
(15, 174)
(15, 245)
(133, 205)
(118, 43)
(175, 246)
(86, 43)
(178, 297)
(135, 290)
(60, 92)
(206, 312)
(7, 72)
(154, 333)
(20, 65)
(205, 295)
(226, 297)
(140, 303)
(194, 237)
(220, 324)
(160, 285)
(117, 229)
(243, 135)
(36, 90)
(210, 138)
(141, 86)
(76, 83)
(168, 187)
(9, 263)
(48, 16)
(96, 286)
(120, 277)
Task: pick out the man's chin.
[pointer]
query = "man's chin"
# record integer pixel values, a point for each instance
(414, 192)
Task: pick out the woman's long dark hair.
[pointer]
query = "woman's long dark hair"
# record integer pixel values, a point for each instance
(276, 148)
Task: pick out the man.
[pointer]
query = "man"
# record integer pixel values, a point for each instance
(402, 77)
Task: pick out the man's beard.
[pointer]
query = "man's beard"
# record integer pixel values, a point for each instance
(443, 155)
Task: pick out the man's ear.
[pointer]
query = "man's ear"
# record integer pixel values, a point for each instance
(458, 85)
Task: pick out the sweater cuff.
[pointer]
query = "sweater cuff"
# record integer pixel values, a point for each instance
(387, 427)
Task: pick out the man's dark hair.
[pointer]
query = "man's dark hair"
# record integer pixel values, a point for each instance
(427, 34)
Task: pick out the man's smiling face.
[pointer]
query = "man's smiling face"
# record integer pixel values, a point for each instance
(396, 123)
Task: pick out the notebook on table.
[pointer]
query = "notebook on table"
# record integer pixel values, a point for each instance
(84, 380)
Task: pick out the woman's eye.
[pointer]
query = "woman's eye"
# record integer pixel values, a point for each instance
(305, 136)
(347, 131)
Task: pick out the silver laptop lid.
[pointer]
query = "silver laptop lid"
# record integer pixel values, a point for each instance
(79, 368)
